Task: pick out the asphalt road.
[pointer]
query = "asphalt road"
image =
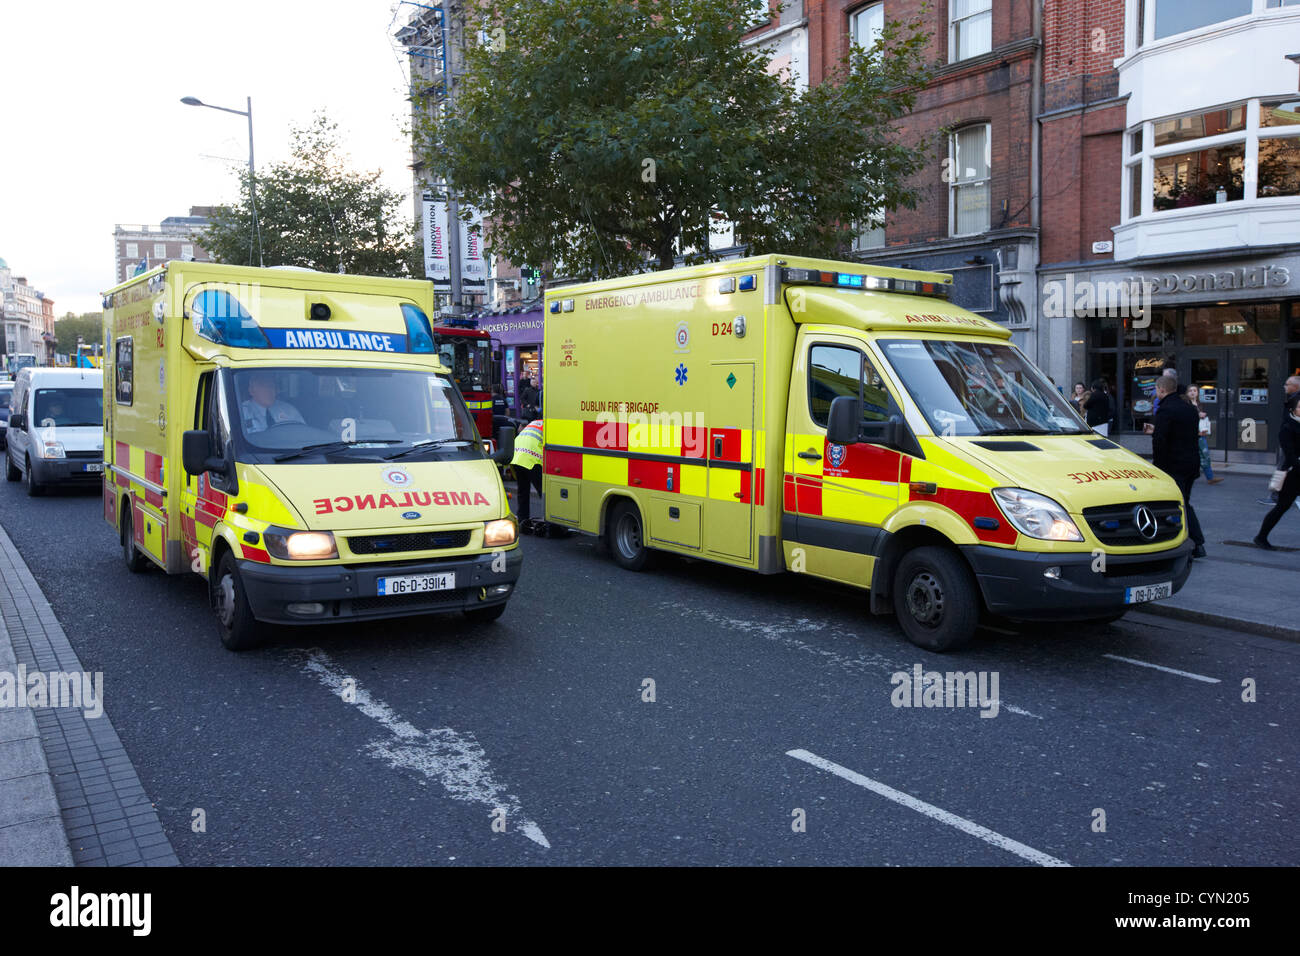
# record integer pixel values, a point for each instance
(406, 742)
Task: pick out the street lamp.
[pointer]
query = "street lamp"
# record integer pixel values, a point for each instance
(252, 176)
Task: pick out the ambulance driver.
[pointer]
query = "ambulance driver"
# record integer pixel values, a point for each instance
(262, 409)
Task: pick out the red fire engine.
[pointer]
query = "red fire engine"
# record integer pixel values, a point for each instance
(467, 351)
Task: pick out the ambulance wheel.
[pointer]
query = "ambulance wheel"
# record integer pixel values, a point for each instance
(625, 537)
(135, 561)
(936, 599)
(34, 488)
(239, 630)
(485, 615)
(11, 470)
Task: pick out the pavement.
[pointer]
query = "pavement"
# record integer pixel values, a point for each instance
(1237, 585)
(69, 794)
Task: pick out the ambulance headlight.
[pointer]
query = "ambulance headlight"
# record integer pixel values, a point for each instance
(1036, 515)
(50, 449)
(300, 545)
(499, 533)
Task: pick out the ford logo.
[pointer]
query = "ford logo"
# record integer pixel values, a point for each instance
(410, 514)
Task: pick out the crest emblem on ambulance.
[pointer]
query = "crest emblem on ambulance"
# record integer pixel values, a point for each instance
(836, 454)
(683, 337)
(397, 476)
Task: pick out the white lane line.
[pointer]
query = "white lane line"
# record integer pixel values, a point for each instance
(1167, 670)
(929, 810)
(783, 633)
(454, 760)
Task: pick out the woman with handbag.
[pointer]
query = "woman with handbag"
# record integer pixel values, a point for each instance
(1287, 478)
(1202, 434)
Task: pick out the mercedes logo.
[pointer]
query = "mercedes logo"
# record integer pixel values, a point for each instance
(1145, 521)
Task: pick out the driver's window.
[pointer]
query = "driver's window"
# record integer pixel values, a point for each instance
(837, 370)
(218, 415)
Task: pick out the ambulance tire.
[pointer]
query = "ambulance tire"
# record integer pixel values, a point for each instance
(34, 488)
(625, 537)
(11, 470)
(936, 599)
(239, 630)
(135, 561)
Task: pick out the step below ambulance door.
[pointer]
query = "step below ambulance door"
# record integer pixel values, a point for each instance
(729, 508)
(836, 497)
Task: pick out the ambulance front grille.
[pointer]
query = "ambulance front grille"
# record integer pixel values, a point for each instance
(1116, 525)
(420, 541)
(427, 599)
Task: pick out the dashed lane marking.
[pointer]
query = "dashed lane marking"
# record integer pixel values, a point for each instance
(928, 809)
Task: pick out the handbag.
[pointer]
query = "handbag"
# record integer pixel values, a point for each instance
(1203, 428)
(1275, 483)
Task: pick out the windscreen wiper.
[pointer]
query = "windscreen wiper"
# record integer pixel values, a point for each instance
(424, 445)
(327, 446)
(1017, 431)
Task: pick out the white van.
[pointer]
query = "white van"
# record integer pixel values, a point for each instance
(56, 428)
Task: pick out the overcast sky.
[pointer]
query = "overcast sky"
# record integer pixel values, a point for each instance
(93, 133)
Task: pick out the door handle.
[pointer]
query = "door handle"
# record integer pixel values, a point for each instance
(810, 455)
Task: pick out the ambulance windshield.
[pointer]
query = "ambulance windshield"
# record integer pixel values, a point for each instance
(977, 388)
(309, 414)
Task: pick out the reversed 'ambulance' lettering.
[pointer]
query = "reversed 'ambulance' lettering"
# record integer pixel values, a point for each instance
(408, 499)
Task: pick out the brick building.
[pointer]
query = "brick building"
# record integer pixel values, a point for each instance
(978, 217)
(173, 238)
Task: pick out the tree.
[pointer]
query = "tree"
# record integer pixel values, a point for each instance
(601, 134)
(88, 325)
(314, 211)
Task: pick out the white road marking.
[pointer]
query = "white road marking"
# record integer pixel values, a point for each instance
(781, 634)
(1167, 670)
(454, 760)
(929, 810)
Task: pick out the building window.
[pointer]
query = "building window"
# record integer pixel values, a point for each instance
(1199, 178)
(1200, 125)
(869, 234)
(1178, 16)
(187, 251)
(970, 28)
(865, 25)
(1135, 189)
(160, 250)
(969, 205)
(133, 250)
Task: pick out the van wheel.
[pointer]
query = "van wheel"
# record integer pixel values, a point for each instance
(135, 561)
(936, 599)
(239, 630)
(34, 488)
(625, 537)
(11, 470)
(485, 615)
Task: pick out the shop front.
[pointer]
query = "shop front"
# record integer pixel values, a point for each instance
(1229, 326)
(520, 335)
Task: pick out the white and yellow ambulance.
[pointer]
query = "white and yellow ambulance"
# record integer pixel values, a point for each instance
(847, 422)
(291, 437)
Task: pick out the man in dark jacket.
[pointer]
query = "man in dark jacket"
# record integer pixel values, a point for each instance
(1175, 450)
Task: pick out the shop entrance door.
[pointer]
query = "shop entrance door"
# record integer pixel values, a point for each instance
(1241, 391)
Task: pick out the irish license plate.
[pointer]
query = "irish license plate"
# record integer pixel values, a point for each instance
(93, 466)
(416, 583)
(1148, 592)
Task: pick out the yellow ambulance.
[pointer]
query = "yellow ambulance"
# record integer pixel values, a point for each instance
(847, 422)
(291, 437)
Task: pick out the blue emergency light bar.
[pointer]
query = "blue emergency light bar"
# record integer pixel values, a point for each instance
(855, 280)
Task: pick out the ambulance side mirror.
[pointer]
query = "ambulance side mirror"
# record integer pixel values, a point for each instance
(843, 423)
(18, 422)
(196, 453)
(505, 445)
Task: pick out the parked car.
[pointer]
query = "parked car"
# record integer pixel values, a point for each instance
(6, 391)
(55, 433)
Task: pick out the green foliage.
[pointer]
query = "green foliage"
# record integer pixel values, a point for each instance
(314, 211)
(89, 325)
(599, 134)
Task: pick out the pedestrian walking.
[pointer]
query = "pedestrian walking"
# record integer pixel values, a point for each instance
(1078, 397)
(1174, 449)
(1097, 408)
(1202, 434)
(1289, 446)
(1289, 388)
(527, 463)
